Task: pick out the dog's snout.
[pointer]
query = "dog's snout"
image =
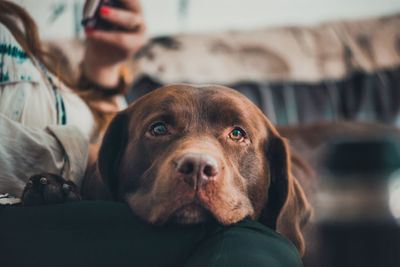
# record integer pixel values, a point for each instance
(197, 169)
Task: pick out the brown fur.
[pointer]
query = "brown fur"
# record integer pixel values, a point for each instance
(254, 177)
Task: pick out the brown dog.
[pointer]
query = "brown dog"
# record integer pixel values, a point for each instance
(186, 154)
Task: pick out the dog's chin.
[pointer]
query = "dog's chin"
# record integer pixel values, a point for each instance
(191, 213)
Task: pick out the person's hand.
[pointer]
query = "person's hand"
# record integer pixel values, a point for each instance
(106, 50)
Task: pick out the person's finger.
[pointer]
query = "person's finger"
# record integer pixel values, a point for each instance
(125, 19)
(123, 40)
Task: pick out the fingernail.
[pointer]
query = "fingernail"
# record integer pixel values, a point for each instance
(89, 30)
(104, 11)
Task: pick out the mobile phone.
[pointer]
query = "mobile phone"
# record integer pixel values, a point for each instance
(91, 14)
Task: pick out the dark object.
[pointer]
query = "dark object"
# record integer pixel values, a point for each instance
(364, 156)
(49, 188)
(141, 86)
(357, 228)
(367, 244)
(98, 233)
(91, 17)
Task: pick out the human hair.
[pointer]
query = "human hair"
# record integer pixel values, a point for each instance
(24, 29)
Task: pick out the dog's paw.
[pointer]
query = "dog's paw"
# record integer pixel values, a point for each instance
(49, 188)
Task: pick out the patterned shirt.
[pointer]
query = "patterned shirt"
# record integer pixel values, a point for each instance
(44, 126)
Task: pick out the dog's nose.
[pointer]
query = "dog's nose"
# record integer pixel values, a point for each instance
(197, 169)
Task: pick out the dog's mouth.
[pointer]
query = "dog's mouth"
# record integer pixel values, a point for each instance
(190, 213)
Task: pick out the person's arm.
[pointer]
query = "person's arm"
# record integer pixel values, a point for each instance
(25, 151)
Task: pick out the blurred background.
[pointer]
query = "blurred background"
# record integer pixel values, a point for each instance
(300, 61)
(61, 18)
(303, 62)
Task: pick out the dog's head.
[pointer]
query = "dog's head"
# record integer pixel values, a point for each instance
(184, 153)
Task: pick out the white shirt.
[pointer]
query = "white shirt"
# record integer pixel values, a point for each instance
(44, 126)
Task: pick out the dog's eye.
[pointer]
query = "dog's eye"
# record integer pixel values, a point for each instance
(237, 134)
(158, 129)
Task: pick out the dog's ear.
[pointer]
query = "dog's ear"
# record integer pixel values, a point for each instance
(287, 209)
(111, 151)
